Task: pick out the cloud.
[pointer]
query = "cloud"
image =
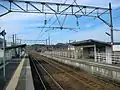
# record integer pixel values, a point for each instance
(20, 17)
(20, 23)
(89, 25)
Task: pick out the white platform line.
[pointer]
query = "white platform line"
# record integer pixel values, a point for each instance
(14, 80)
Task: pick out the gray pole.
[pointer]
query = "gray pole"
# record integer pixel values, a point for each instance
(69, 47)
(95, 53)
(49, 39)
(49, 43)
(4, 56)
(46, 44)
(111, 25)
(20, 41)
(13, 39)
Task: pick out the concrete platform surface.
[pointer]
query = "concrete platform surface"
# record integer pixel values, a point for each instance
(22, 78)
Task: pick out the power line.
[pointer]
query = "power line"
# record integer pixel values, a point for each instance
(116, 29)
(117, 9)
(59, 16)
(115, 18)
(51, 19)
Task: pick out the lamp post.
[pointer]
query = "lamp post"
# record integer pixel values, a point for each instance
(3, 33)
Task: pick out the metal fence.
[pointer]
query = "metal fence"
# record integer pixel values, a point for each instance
(104, 57)
(111, 72)
(110, 58)
(8, 55)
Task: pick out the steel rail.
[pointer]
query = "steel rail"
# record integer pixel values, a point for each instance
(61, 88)
(86, 84)
(94, 83)
(101, 87)
(39, 75)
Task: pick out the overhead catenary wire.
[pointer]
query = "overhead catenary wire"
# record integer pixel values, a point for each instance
(117, 9)
(116, 29)
(56, 19)
(60, 15)
(51, 19)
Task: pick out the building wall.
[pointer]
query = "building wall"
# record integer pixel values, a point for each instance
(78, 52)
(85, 53)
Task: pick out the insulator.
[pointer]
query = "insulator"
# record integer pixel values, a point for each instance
(77, 23)
(45, 21)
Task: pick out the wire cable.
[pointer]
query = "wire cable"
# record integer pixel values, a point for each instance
(50, 20)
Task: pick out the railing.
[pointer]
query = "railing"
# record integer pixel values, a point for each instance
(69, 54)
(8, 55)
(104, 57)
(110, 58)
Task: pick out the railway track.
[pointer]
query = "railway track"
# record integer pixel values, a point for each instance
(42, 85)
(68, 82)
(76, 81)
(37, 77)
(102, 85)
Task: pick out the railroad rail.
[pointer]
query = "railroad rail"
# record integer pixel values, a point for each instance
(60, 75)
(102, 85)
(55, 85)
(41, 83)
(90, 84)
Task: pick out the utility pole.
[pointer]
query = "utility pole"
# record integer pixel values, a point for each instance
(20, 41)
(49, 42)
(14, 43)
(111, 25)
(69, 48)
(46, 44)
(49, 39)
(13, 39)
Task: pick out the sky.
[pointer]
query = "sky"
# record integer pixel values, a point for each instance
(25, 25)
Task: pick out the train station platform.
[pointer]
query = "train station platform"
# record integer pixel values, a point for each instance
(21, 78)
(10, 67)
(109, 73)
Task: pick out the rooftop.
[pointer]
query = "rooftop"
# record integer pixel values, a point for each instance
(91, 42)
